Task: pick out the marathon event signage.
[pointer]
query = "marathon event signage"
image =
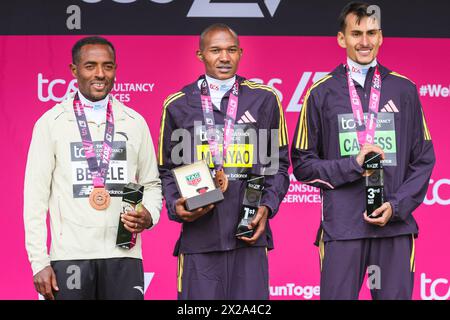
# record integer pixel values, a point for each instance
(400, 18)
(288, 45)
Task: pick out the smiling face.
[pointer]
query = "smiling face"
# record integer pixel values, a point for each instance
(95, 71)
(361, 39)
(220, 54)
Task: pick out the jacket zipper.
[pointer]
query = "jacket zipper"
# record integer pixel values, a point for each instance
(60, 218)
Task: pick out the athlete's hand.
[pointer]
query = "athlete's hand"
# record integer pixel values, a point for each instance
(258, 222)
(386, 213)
(368, 148)
(137, 220)
(45, 282)
(189, 216)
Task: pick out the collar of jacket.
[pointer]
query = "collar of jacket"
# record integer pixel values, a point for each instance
(118, 109)
(193, 92)
(341, 74)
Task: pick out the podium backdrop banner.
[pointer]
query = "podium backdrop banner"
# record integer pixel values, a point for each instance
(35, 76)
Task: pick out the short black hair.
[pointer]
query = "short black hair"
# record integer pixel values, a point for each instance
(358, 8)
(216, 27)
(76, 49)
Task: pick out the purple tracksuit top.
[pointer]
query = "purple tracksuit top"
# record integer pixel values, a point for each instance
(325, 146)
(258, 108)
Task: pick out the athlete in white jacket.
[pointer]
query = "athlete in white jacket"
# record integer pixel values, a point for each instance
(84, 261)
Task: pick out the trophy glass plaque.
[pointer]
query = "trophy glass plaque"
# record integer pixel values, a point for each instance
(195, 183)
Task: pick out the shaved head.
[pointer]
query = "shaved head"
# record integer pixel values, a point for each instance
(216, 27)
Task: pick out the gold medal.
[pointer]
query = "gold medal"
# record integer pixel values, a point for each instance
(99, 199)
(221, 180)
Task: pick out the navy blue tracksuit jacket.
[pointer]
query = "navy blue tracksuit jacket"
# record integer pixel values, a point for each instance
(325, 145)
(259, 111)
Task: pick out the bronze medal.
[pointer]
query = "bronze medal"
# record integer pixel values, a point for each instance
(367, 173)
(221, 180)
(99, 199)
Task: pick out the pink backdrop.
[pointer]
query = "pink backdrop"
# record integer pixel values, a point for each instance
(34, 74)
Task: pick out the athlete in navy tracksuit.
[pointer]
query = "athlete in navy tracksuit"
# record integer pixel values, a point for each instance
(325, 153)
(212, 262)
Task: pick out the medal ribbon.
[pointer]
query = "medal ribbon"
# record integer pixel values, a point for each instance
(229, 122)
(365, 130)
(97, 170)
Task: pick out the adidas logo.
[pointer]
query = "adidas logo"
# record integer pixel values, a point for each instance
(247, 118)
(389, 107)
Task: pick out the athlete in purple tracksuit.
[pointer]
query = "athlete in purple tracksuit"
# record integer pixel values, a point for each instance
(326, 153)
(212, 262)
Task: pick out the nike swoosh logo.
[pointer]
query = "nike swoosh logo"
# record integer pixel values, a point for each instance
(140, 289)
(123, 134)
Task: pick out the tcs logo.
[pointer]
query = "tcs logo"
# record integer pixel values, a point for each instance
(47, 92)
(431, 292)
(437, 194)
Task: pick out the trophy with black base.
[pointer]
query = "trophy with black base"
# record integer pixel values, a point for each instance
(250, 205)
(131, 200)
(195, 183)
(374, 182)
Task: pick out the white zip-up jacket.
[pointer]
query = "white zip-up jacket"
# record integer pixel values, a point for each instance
(58, 181)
